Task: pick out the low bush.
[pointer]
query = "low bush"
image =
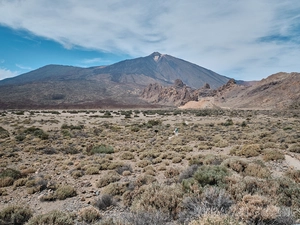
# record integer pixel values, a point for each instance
(54, 217)
(102, 149)
(65, 191)
(110, 177)
(89, 215)
(3, 133)
(273, 155)
(256, 209)
(295, 148)
(158, 197)
(216, 219)
(104, 201)
(212, 200)
(145, 218)
(257, 170)
(15, 215)
(210, 175)
(247, 150)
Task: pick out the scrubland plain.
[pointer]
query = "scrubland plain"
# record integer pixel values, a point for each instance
(130, 167)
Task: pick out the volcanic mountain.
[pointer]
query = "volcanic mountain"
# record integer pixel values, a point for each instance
(116, 85)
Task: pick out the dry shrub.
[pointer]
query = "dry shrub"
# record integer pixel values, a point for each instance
(144, 180)
(54, 217)
(212, 200)
(116, 188)
(256, 170)
(65, 191)
(122, 169)
(171, 172)
(89, 214)
(247, 150)
(176, 159)
(145, 218)
(294, 174)
(104, 201)
(159, 197)
(143, 163)
(6, 181)
(188, 173)
(255, 209)
(26, 172)
(212, 159)
(127, 156)
(273, 155)
(157, 160)
(295, 148)
(216, 219)
(36, 184)
(92, 170)
(236, 165)
(210, 175)
(110, 177)
(77, 173)
(20, 182)
(15, 215)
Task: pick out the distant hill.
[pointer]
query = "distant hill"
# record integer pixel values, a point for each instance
(117, 85)
(278, 91)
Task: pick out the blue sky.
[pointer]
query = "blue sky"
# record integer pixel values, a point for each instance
(242, 39)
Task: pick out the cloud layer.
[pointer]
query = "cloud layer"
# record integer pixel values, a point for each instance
(245, 39)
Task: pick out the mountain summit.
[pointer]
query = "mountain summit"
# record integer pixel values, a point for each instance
(116, 85)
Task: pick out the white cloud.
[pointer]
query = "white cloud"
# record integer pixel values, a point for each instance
(24, 67)
(5, 73)
(222, 35)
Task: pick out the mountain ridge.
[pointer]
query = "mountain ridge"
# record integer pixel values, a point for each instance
(120, 83)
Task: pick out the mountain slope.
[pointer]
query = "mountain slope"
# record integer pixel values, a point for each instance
(164, 69)
(117, 85)
(278, 91)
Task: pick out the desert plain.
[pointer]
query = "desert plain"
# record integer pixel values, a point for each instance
(130, 166)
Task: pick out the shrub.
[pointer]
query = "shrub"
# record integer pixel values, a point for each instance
(89, 214)
(54, 217)
(159, 197)
(102, 149)
(247, 150)
(65, 191)
(216, 219)
(15, 215)
(15, 174)
(92, 170)
(127, 156)
(121, 169)
(210, 175)
(256, 170)
(104, 202)
(171, 172)
(188, 173)
(295, 148)
(6, 181)
(3, 133)
(8, 176)
(294, 174)
(36, 184)
(236, 165)
(273, 155)
(212, 200)
(116, 188)
(256, 209)
(37, 132)
(110, 177)
(145, 218)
